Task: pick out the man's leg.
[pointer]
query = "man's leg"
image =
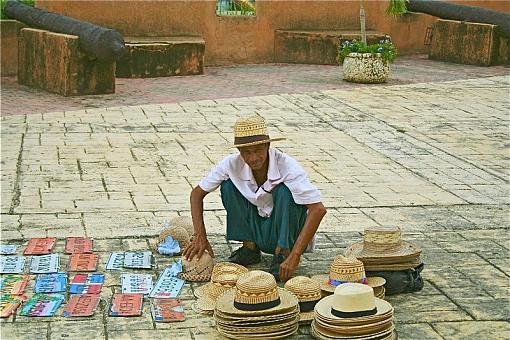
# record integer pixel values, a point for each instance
(242, 221)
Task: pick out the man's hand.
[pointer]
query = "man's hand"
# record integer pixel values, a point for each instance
(197, 247)
(288, 267)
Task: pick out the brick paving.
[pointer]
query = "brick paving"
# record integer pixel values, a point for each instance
(428, 156)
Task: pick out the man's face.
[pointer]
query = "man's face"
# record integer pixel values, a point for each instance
(255, 156)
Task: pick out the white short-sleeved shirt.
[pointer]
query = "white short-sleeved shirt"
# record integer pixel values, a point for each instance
(282, 169)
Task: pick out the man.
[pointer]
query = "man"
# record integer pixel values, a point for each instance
(271, 204)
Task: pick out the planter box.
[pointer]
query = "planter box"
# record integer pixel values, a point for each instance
(468, 43)
(365, 68)
(314, 47)
(55, 62)
(162, 57)
(10, 30)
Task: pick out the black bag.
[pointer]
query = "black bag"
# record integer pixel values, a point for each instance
(402, 281)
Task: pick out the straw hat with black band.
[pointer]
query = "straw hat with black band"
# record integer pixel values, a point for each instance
(250, 131)
(308, 292)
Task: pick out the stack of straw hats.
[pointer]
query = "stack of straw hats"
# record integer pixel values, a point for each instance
(197, 270)
(348, 270)
(308, 292)
(383, 249)
(181, 230)
(353, 312)
(224, 277)
(256, 309)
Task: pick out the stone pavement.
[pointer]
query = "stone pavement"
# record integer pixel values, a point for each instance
(431, 158)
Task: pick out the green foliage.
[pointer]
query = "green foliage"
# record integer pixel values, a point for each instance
(385, 48)
(3, 2)
(397, 7)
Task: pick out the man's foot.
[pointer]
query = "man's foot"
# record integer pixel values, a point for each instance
(245, 256)
(274, 267)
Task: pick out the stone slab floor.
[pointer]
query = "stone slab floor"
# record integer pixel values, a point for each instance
(432, 158)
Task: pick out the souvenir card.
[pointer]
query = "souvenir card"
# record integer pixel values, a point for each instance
(8, 304)
(136, 283)
(115, 261)
(138, 259)
(81, 305)
(42, 305)
(167, 310)
(45, 264)
(50, 283)
(12, 264)
(79, 245)
(83, 262)
(8, 249)
(40, 246)
(126, 305)
(86, 284)
(167, 286)
(13, 284)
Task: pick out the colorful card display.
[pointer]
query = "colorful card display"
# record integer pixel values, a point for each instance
(115, 261)
(40, 246)
(136, 283)
(45, 264)
(168, 286)
(51, 283)
(138, 259)
(81, 305)
(9, 304)
(167, 310)
(13, 284)
(42, 305)
(79, 245)
(83, 262)
(8, 249)
(126, 305)
(86, 284)
(12, 264)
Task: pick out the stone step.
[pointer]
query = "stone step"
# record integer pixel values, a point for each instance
(314, 46)
(150, 57)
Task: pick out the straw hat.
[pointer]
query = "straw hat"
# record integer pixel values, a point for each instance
(250, 131)
(382, 242)
(184, 222)
(308, 292)
(197, 270)
(178, 233)
(256, 293)
(346, 270)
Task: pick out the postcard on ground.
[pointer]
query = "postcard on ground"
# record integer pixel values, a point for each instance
(8, 249)
(42, 305)
(40, 246)
(83, 262)
(138, 259)
(13, 284)
(86, 284)
(126, 305)
(79, 245)
(81, 305)
(115, 261)
(12, 264)
(45, 264)
(136, 283)
(50, 283)
(167, 286)
(9, 304)
(167, 310)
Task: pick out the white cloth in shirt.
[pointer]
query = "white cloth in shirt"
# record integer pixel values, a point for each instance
(282, 168)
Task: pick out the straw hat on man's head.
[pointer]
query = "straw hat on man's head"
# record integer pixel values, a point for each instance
(251, 130)
(308, 292)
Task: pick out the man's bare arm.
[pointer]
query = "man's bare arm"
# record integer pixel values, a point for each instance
(199, 243)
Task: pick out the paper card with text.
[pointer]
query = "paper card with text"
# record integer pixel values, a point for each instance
(167, 310)
(79, 245)
(115, 261)
(138, 259)
(83, 262)
(136, 283)
(13, 284)
(42, 305)
(50, 283)
(86, 284)
(167, 286)
(126, 305)
(8, 249)
(12, 264)
(45, 264)
(40, 246)
(9, 304)
(81, 305)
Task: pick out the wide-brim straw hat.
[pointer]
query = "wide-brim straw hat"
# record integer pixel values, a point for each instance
(197, 270)
(178, 233)
(323, 279)
(184, 222)
(225, 304)
(322, 333)
(250, 131)
(308, 292)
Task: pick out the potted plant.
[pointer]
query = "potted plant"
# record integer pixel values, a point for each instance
(369, 63)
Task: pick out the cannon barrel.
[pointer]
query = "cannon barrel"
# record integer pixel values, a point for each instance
(103, 43)
(450, 11)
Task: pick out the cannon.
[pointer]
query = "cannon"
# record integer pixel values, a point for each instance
(105, 44)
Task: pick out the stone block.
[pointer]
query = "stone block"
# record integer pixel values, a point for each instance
(468, 43)
(314, 47)
(55, 62)
(9, 30)
(149, 57)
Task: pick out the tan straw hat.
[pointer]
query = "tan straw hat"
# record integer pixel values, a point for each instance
(178, 233)
(308, 292)
(184, 222)
(383, 242)
(197, 270)
(256, 293)
(251, 130)
(346, 270)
